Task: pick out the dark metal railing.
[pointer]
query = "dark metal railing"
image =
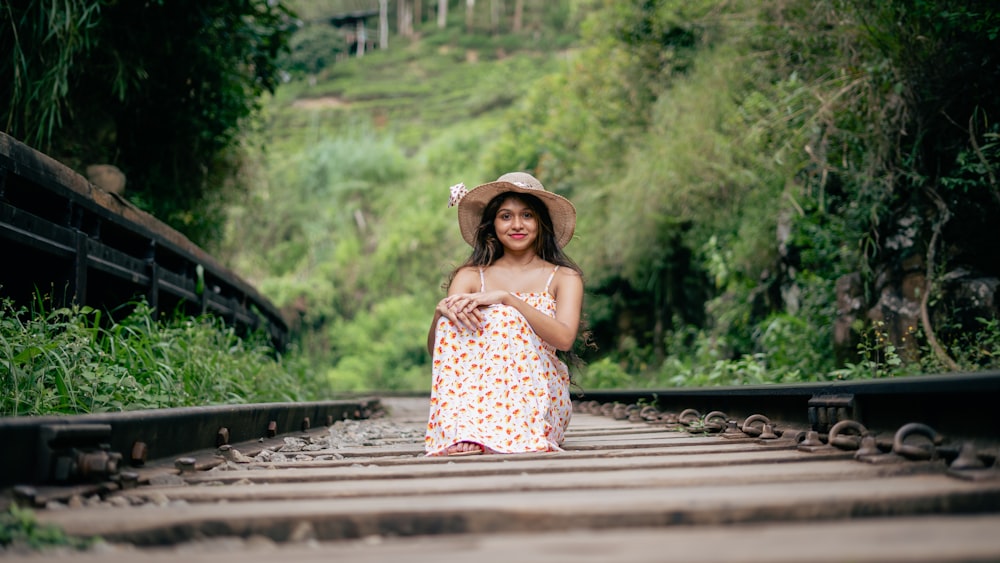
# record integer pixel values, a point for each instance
(61, 235)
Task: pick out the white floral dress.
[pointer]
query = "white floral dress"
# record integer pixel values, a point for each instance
(502, 386)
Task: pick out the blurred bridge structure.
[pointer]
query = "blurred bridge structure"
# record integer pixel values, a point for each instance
(351, 16)
(62, 236)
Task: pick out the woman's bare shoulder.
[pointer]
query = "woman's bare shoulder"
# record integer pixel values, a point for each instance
(466, 280)
(568, 273)
(467, 271)
(567, 281)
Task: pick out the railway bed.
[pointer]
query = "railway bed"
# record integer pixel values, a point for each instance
(635, 483)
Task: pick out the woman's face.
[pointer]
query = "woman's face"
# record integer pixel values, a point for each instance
(516, 225)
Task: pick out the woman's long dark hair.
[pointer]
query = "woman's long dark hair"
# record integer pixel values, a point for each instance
(488, 248)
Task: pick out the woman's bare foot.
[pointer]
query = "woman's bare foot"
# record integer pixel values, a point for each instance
(464, 448)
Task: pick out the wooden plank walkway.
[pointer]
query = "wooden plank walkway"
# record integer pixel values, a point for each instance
(621, 491)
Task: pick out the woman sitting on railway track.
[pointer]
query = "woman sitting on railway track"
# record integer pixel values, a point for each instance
(498, 385)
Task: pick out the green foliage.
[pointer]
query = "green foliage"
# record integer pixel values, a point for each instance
(160, 89)
(314, 49)
(72, 360)
(777, 146)
(799, 348)
(879, 356)
(749, 369)
(974, 350)
(315, 10)
(381, 348)
(663, 164)
(587, 114)
(19, 530)
(605, 374)
(347, 227)
(728, 160)
(44, 42)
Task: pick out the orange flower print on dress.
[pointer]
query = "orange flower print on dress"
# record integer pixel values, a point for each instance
(523, 370)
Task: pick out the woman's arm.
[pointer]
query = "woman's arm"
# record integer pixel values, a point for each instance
(466, 280)
(560, 331)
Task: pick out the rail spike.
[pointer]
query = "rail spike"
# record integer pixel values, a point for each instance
(846, 442)
(711, 421)
(748, 425)
(912, 451)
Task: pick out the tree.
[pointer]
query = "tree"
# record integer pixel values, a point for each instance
(442, 14)
(404, 17)
(383, 24)
(158, 88)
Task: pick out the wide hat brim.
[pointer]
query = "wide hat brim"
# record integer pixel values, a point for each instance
(561, 210)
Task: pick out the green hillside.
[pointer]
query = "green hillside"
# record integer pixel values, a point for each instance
(733, 165)
(347, 227)
(767, 192)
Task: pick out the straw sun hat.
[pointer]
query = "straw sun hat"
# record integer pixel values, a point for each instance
(471, 204)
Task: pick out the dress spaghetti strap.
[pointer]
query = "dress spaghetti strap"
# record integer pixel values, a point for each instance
(552, 275)
(482, 281)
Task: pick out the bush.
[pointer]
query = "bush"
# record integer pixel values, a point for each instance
(72, 360)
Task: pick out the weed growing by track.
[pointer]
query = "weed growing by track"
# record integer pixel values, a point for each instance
(19, 531)
(73, 360)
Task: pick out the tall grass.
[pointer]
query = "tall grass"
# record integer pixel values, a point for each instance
(73, 360)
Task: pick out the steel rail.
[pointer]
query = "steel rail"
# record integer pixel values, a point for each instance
(962, 405)
(62, 449)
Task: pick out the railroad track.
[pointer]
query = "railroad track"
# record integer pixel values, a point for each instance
(831, 474)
